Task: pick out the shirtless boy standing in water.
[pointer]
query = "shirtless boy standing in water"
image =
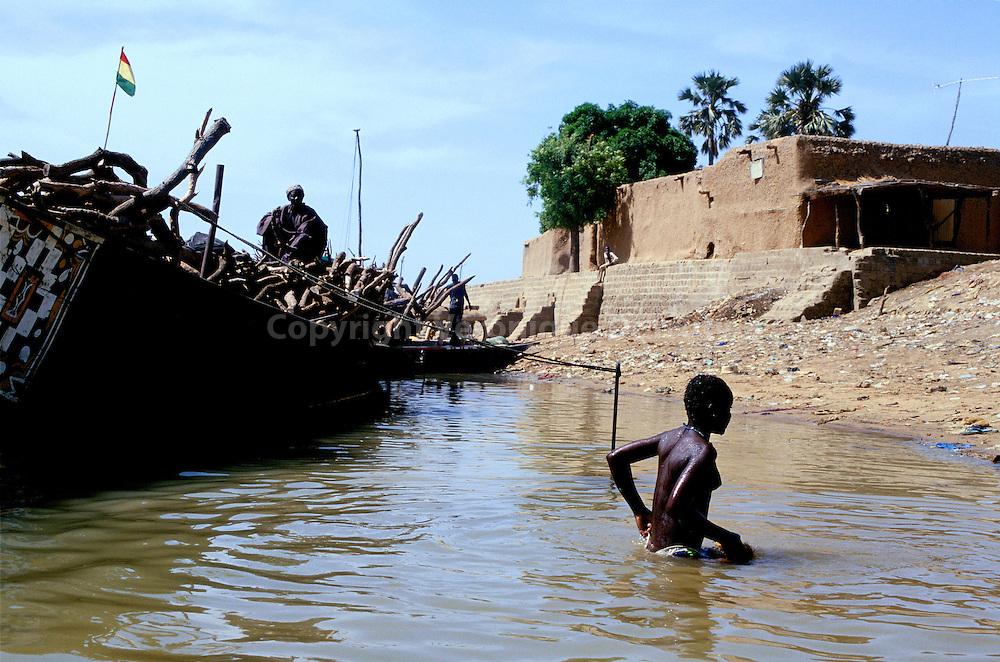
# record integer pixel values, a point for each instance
(685, 477)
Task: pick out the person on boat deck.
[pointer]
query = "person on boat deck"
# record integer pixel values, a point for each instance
(294, 231)
(686, 475)
(456, 307)
(394, 299)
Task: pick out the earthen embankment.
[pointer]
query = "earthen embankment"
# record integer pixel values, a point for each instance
(923, 361)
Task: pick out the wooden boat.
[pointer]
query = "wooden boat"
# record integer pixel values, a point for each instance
(431, 357)
(109, 329)
(105, 349)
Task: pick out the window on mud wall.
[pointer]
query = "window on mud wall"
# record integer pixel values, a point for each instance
(943, 211)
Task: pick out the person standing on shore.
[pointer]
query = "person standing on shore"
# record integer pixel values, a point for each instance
(685, 478)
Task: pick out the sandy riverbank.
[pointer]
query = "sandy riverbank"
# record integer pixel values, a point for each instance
(927, 366)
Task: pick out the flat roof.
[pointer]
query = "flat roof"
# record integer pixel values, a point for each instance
(963, 190)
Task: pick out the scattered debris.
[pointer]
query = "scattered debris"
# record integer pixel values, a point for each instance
(743, 306)
(912, 355)
(978, 429)
(949, 446)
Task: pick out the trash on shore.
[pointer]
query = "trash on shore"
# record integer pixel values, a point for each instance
(978, 429)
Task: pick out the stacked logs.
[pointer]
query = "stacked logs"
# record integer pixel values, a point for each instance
(329, 292)
(323, 291)
(89, 192)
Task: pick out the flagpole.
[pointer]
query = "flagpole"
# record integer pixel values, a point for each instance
(113, 95)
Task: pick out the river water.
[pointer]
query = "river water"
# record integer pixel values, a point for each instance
(478, 521)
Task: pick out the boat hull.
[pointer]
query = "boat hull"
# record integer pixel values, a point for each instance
(442, 358)
(143, 358)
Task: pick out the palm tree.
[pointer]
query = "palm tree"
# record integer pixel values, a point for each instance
(796, 105)
(715, 115)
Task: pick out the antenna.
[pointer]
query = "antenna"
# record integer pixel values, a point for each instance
(958, 97)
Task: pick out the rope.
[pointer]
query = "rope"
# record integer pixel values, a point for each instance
(378, 308)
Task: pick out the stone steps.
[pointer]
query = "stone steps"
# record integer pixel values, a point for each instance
(524, 307)
(644, 294)
(537, 320)
(647, 294)
(579, 309)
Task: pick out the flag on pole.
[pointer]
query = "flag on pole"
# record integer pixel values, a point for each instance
(126, 79)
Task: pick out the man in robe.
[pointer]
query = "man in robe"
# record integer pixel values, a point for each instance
(295, 231)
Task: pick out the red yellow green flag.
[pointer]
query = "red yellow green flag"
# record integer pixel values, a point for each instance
(126, 79)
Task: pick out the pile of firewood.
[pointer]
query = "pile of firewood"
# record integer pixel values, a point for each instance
(90, 193)
(323, 290)
(339, 289)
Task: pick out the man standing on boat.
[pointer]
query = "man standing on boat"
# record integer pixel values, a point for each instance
(294, 231)
(456, 307)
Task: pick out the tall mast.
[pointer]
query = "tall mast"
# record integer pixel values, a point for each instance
(357, 142)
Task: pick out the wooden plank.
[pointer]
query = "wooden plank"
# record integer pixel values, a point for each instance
(861, 234)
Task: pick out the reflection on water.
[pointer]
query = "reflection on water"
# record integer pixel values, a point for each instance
(479, 521)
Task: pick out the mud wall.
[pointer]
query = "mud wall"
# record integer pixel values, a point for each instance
(548, 254)
(722, 210)
(843, 160)
(827, 160)
(753, 199)
(980, 228)
(878, 268)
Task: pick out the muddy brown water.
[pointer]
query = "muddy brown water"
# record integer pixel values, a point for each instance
(479, 522)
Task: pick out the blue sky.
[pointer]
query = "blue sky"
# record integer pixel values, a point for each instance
(452, 96)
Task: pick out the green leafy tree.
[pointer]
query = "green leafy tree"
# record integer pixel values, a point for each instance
(576, 170)
(652, 148)
(797, 105)
(576, 181)
(716, 116)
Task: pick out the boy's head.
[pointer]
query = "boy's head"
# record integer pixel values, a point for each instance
(708, 401)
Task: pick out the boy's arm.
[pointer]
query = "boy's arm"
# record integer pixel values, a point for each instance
(679, 507)
(620, 462)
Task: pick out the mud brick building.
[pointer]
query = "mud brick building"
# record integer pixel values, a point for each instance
(831, 221)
